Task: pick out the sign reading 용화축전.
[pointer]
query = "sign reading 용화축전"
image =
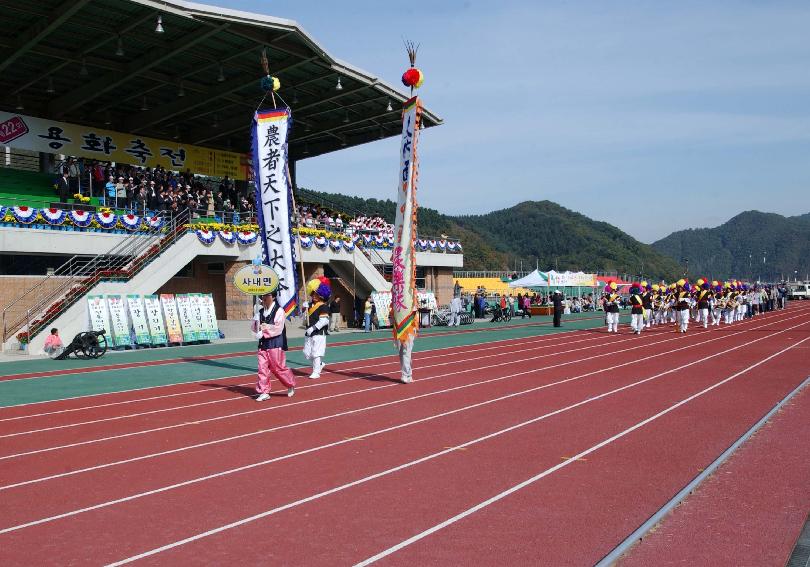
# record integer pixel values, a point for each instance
(256, 279)
(51, 136)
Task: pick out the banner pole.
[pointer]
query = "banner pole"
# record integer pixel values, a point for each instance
(301, 290)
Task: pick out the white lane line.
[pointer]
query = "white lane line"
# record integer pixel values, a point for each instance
(382, 431)
(477, 440)
(551, 335)
(630, 338)
(565, 463)
(332, 369)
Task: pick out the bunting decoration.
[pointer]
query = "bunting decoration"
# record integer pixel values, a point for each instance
(271, 130)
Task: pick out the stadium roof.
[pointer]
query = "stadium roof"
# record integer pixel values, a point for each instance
(197, 81)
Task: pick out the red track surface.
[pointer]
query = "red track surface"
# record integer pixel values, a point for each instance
(356, 464)
(180, 360)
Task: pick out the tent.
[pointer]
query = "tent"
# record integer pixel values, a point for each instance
(535, 279)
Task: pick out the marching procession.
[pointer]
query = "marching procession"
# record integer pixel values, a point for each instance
(706, 303)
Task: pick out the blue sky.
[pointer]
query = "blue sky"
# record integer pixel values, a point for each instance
(653, 116)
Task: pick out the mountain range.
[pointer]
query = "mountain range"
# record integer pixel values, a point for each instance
(752, 245)
(532, 233)
(545, 234)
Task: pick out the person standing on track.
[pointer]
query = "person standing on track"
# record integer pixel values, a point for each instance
(558, 307)
(704, 296)
(317, 324)
(682, 304)
(268, 326)
(455, 312)
(611, 307)
(636, 309)
(646, 300)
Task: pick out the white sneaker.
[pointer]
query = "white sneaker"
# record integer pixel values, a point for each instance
(290, 392)
(263, 397)
(323, 365)
(315, 375)
(406, 379)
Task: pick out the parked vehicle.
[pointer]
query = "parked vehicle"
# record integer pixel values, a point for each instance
(798, 290)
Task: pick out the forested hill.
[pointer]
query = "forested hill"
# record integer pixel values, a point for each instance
(738, 247)
(534, 231)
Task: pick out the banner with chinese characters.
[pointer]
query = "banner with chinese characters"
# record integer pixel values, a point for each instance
(154, 317)
(99, 316)
(118, 318)
(403, 257)
(271, 129)
(210, 316)
(186, 322)
(173, 329)
(137, 314)
(51, 136)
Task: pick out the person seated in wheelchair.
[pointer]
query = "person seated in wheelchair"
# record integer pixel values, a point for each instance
(497, 313)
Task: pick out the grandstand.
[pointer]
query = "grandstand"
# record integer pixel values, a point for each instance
(60, 102)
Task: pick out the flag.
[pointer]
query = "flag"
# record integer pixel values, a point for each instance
(403, 258)
(271, 130)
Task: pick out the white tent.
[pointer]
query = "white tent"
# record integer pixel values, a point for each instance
(535, 279)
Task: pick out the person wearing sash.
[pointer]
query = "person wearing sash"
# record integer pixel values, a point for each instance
(268, 327)
(647, 302)
(611, 306)
(704, 295)
(682, 303)
(320, 291)
(716, 303)
(636, 309)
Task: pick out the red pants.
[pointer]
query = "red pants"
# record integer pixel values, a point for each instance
(273, 361)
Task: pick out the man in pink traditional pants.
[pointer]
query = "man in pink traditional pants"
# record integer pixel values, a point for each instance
(268, 326)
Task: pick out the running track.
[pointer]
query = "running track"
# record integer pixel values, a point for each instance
(543, 450)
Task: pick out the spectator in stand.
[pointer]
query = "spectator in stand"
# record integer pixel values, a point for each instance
(109, 192)
(63, 187)
(129, 185)
(152, 199)
(73, 176)
(527, 304)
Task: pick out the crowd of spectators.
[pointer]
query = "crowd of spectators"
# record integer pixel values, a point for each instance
(318, 217)
(154, 190)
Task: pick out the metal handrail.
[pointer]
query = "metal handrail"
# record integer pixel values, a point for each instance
(124, 259)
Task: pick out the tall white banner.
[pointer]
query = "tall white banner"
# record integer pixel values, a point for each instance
(210, 316)
(403, 257)
(118, 317)
(196, 307)
(271, 129)
(186, 321)
(99, 316)
(137, 314)
(154, 317)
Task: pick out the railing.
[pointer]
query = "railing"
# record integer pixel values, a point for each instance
(80, 273)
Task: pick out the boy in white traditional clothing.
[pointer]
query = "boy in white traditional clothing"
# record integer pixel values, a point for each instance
(320, 291)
